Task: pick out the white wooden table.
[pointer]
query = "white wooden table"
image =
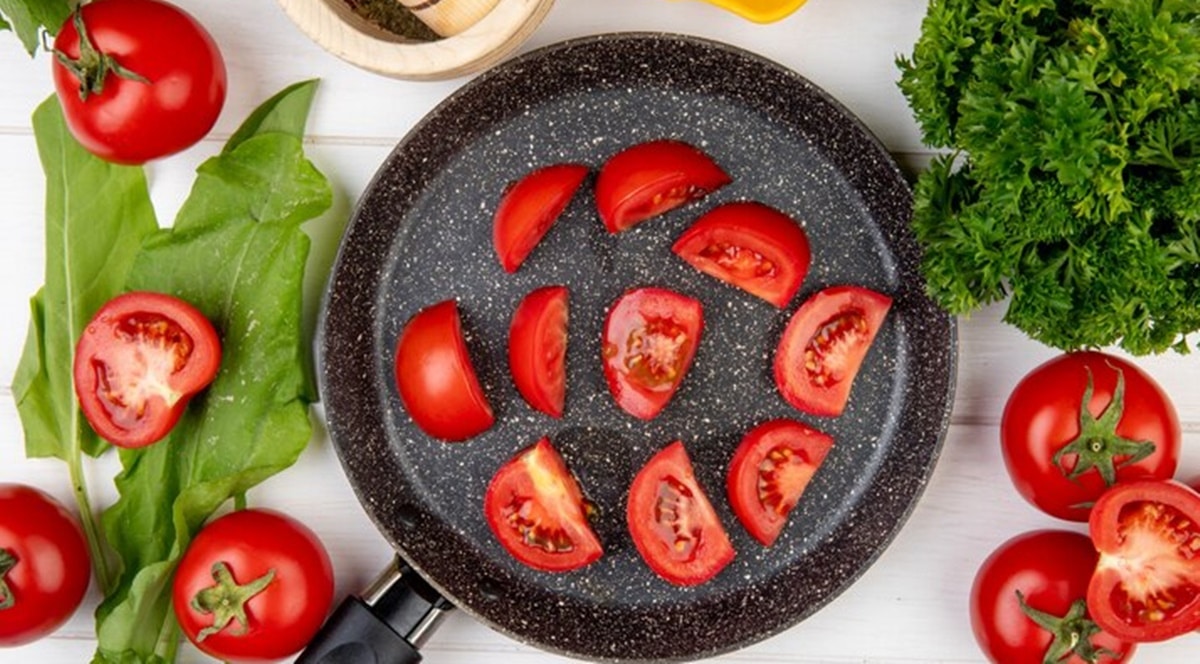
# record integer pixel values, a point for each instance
(911, 606)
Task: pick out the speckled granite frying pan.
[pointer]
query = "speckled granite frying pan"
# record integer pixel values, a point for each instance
(422, 234)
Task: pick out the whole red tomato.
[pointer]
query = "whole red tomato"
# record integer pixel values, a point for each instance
(1028, 603)
(148, 80)
(254, 585)
(1082, 422)
(44, 565)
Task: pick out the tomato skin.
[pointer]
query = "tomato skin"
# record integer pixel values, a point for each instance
(706, 550)
(1043, 415)
(1051, 569)
(139, 362)
(853, 316)
(783, 455)
(648, 179)
(436, 379)
(751, 246)
(284, 615)
(648, 322)
(537, 349)
(530, 207)
(49, 576)
(536, 492)
(131, 122)
(1146, 586)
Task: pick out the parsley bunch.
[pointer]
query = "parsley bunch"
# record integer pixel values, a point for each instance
(1072, 184)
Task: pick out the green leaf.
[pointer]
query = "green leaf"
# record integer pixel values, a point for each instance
(286, 112)
(28, 18)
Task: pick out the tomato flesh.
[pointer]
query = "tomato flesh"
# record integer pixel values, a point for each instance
(673, 525)
(138, 363)
(823, 347)
(651, 178)
(530, 207)
(751, 246)
(537, 349)
(536, 509)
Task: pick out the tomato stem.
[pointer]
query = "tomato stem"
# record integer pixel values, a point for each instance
(226, 600)
(92, 66)
(7, 562)
(1072, 633)
(1098, 444)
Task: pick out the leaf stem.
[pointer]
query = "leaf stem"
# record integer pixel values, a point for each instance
(91, 529)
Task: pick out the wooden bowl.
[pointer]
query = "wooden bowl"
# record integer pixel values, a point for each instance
(342, 32)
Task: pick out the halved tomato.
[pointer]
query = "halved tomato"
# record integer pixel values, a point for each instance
(138, 363)
(824, 345)
(530, 207)
(749, 245)
(651, 178)
(650, 338)
(673, 526)
(1146, 586)
(537, 349)
(435, 377)
(769, 472)
(536, 509)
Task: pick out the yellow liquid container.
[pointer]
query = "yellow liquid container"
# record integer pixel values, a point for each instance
(759, 11)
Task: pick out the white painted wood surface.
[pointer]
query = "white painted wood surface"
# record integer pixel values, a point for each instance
(909, 607)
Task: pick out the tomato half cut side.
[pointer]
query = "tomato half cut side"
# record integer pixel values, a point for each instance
(769, 472)
(673, 525)
(530, 207)
(823, 347)
(751, 246)
(139, 361)
(1146, 586)
(537, 349)
(436, 378)
(537, 510)
(650, 338)
(651, 178)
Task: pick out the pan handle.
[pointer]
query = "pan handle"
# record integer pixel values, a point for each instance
(387, 625)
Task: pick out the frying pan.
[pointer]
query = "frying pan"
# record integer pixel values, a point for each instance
(421, 234)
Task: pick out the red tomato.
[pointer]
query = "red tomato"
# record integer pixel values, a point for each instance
(537, 349)
(651, 178)
(1061, 456)
(140, 360)
(169, 95)
(44, 565)
(1028, 603)
(650, 338)
(1146, 586)
(254, 585)
(435, 376)
(824, 345)
(536, 509)
(749, 245)
(530, 207)
(770, 471)
(673, 525)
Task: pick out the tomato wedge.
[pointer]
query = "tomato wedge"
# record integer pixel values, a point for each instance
(435, 377)
(824, 345)
(530, 207)
(138, 363)
(648, 179)
(673, 526)
(537, 349)
(650, 338)
(769, 472)
(537, 511)
(1146, 586)
(751, 246)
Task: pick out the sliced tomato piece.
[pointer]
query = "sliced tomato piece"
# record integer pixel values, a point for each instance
(751, 246)
(530, 207)
(537, 511)
(650, 338)
(435, 377)
(648, 179)
(1146, 586)
(674, 527)
(537, 349)
(824, 345)
(138, 363)
(769, 472)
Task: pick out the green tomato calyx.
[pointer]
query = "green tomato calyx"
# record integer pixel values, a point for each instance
(225, 600)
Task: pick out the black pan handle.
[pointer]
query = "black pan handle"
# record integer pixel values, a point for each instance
(387, 625)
